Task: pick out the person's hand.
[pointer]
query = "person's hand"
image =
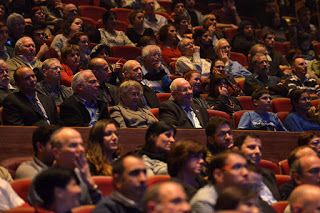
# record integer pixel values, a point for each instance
(83, 166)
(223, 90)
(196, 49)
(118, 66)
(224, 56)
(211, 29)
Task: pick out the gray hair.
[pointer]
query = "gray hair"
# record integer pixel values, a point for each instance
(10, 20)
(256, 57)
(18, 45)
(146, 50)
(254, 48)
(217, 44)
(47, 63)
(126, 86)
(78, 79)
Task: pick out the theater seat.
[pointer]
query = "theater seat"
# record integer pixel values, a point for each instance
(157, 178)
(240, 58)
(282, 179)
(240, 83)
(21, 187)
(284, 167)
(122, 14)
(246, 102)
(105, 184)
(126, 52)
(230, 33)
(162, 97)
(214, 113)
(166, 5)
(83, 209)
(282, 116)
(270, 166)
(166, 15)
(237, 116)
(92, 12)
(281, 105)
(155, 112)
(21, 210)
(11, 164)
(280, 206)
(89, 21)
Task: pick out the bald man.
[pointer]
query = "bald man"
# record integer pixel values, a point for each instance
(27, 107)
(69, 153)
(107, 92)
(305, 199)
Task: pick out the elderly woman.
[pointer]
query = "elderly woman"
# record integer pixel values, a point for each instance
(16, 27)
(110, 36)
(128, 113)
(58, 189)
(219, 97)
(136, 30)
(185, 162)
(169, 43)
(103, 147)
(70, 27)
(159, 140)
(299, 120)
(70, 55)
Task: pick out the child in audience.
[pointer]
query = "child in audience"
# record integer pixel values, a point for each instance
(261, 118)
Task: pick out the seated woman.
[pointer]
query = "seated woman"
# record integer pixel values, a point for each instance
(136, 30)
(185, 162)
(159, 140)
(81, 39)
(169, 43)
(70, 27)
(127, 113)
(59, 190)
(70, 55)
(299, 120)
(240, 199)
(219, 97)
(194, 79)
(277, 25)
(103, 147)
(109, 35)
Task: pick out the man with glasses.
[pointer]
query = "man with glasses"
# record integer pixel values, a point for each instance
(182, 112)
(107, 92)
(190, 59)
(155, 74)
(260, 78)
(222, 49)
(228, 168)
(83, 108)
(50, 85)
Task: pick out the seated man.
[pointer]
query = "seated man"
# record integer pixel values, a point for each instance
(50, 85)
(167, 196)
(210, 24)
(155, 74)
(250, 145)
(304, 198)
(190, 59)
(222, 49)
(228, 168)
(27, 107)
(83, 108)
(69, 153)
(5, 87)
(182, 112)
(42, 158)
(219, 137)
(260, 78)
(152, 20)
(310, 138)
(133, 71)
(107, 92)
(304, 170)
(300, 79)
(25, 56)
(261, 118)
(130, 183)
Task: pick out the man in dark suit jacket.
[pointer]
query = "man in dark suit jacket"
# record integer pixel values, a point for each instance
(250, 145)
(83, 108)
(107, 92)
(182, 112)
(5, 87)
(27, 107)
(133, 71)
